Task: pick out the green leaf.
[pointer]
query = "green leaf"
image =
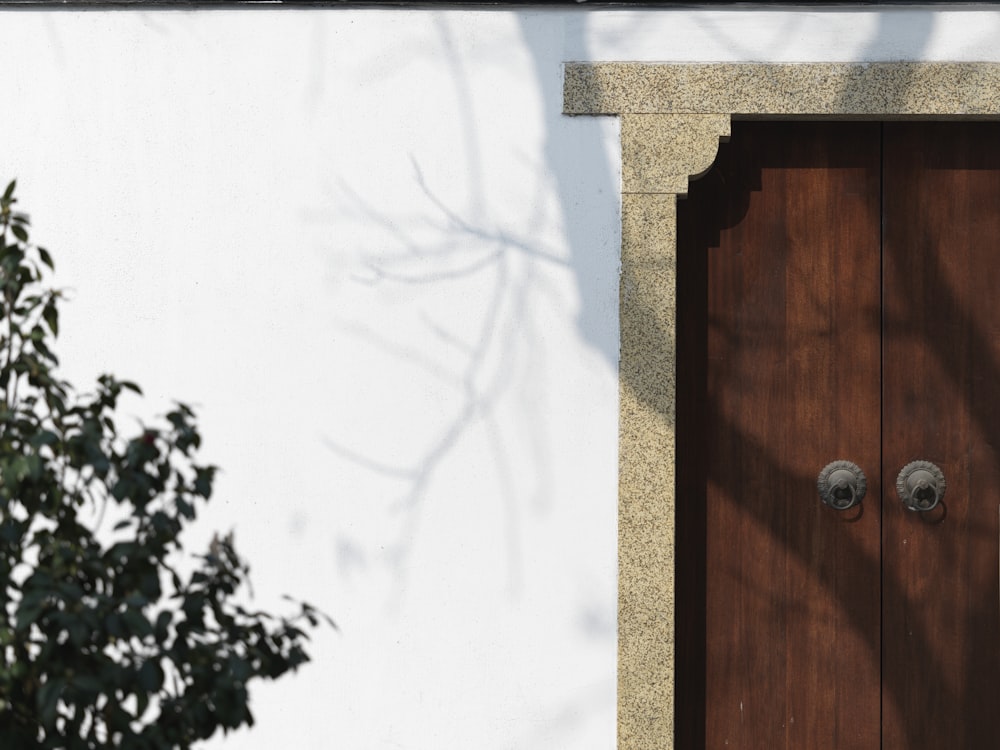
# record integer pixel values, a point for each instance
(137, 623)
(20, 232)
(51, 317)
(162, 623)
(46, 258)
(203, 480)
(123, 488)
(27, 615)
(113, 625)
(11, 531)
(120, 552)
(89, 684)
(185, 508)
(150, 585)
(79, 634)
(48, 700)
(150, 676)
(9, 192)
(44, 437)
(34, 465)
(142, 703)
(129, 385)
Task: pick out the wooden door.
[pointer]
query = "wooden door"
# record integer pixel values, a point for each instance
(941, 402)
(829, 308)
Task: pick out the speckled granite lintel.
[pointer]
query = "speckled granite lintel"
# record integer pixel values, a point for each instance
(888, 89)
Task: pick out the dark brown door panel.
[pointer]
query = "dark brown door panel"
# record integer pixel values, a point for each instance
(838, 299)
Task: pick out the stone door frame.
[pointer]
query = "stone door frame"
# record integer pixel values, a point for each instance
(672, 119)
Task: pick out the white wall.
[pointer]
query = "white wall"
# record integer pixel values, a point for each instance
(372, 251)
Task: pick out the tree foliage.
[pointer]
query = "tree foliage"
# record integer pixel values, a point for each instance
(111, 638)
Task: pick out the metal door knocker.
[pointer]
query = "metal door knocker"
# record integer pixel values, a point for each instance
(842, 485)
(921, 486)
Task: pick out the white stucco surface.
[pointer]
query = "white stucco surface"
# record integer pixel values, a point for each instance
(370, 249)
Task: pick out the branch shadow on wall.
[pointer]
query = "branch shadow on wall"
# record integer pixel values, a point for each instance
(507, 272)
(477, 376)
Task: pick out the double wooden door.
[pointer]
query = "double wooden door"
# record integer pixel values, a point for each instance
(839, 298)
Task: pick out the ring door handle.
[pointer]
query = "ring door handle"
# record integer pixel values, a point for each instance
(921, 486)
(841, 485)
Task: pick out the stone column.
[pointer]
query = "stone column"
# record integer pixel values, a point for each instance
(659, 154)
